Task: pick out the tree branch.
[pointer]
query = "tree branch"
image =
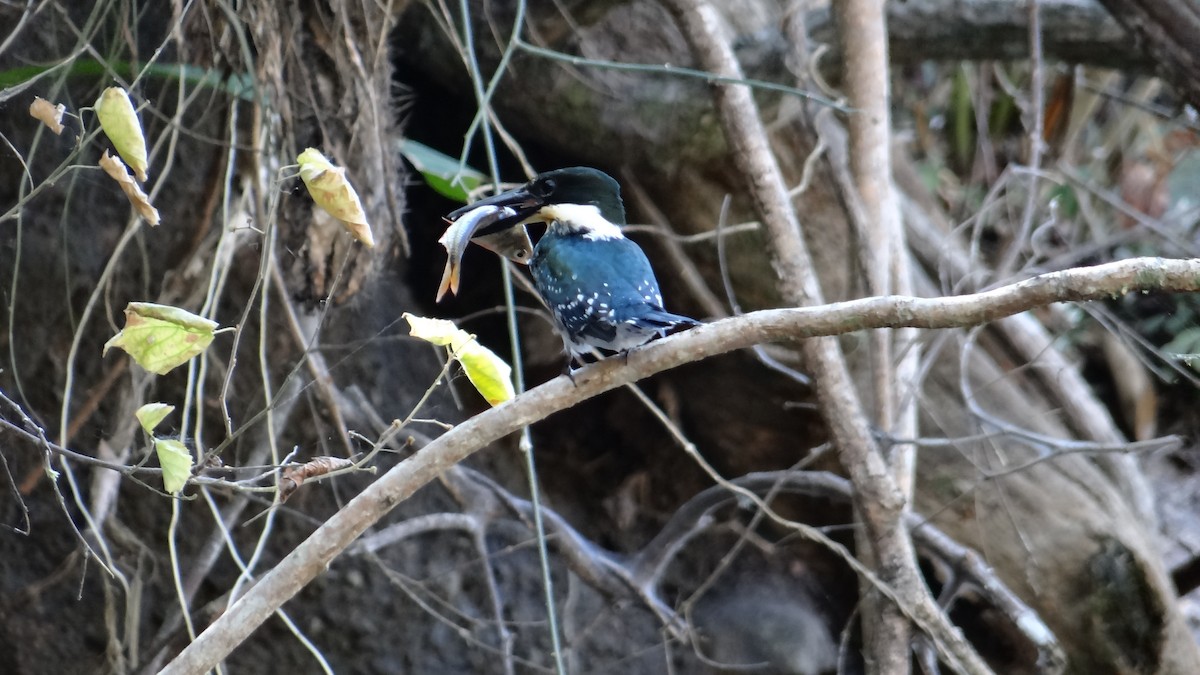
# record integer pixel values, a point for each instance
(1077, 31)
(314, 555)
(863, 32)
(682, 526)
(1166, 31)
(878, 499)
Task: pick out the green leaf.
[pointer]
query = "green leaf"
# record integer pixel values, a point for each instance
(152, 414)
(490, 375)
(176, 463)
(441, 171)
(161, 338)
(120, 123)
(1068, 201)
(962, 115)
(240, 85)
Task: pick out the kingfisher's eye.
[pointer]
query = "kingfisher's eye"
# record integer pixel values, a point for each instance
(544, 188)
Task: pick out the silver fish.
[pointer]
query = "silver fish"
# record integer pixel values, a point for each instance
(512, 243)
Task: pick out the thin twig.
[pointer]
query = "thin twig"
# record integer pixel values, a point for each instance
(672, 244)
(1037, 143)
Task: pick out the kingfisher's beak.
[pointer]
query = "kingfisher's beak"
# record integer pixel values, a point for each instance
(523, 204)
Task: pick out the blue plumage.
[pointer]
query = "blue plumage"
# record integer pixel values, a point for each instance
(597, 284)
(602, 292)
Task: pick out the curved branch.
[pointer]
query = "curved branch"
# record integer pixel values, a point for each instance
(314, 555)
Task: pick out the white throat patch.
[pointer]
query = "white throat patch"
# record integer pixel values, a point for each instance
(583, 218)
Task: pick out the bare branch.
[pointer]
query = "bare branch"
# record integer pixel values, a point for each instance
(1166, 32)
(878, 498)
(821, 484)
(313, 556)
(863, 32)
(1079, 31)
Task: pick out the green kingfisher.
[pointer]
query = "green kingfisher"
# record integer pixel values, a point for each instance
(598, 285)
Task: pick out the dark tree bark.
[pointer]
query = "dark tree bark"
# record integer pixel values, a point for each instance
(1165, 30)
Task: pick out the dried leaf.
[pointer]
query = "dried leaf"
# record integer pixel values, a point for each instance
(490, 375)
(176, 463)
(161, 338)
(114, 167)
(293, 477)
(120, 123)
(331, 191)
(47, 113)
(152, 414)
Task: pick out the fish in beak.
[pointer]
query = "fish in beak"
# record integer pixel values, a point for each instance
(497, 228)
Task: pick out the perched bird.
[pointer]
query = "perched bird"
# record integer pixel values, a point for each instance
(598, 284)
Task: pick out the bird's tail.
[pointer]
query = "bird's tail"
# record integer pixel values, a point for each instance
(666, 322)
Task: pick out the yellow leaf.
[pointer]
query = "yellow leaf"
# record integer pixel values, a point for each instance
(176, 463)
(332, 192)
(116, 168)
(120, 123)
(47, 113)
(490, 375)
(437, 331)
(152, 414)
(161, 338)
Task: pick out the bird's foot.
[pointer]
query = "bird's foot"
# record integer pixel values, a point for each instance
(569, 370)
